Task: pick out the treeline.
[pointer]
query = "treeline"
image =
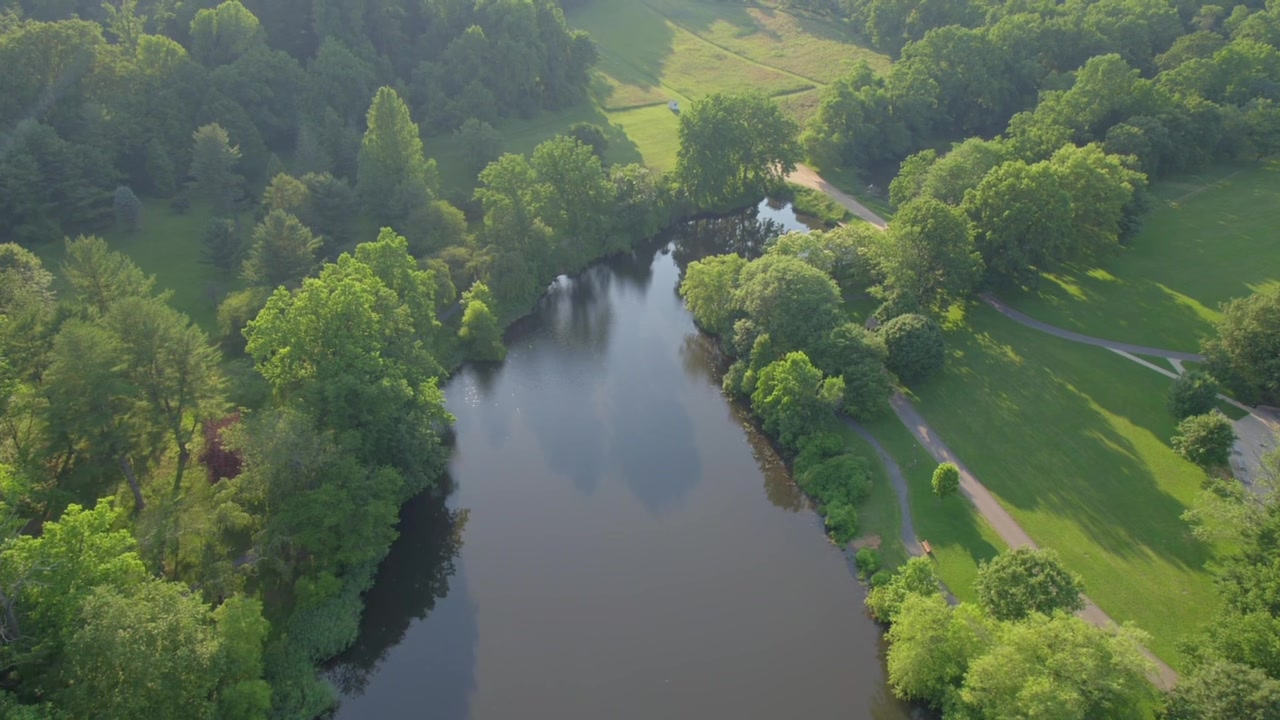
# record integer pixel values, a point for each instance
(210, 593)
(1176, 84)
(110, 93)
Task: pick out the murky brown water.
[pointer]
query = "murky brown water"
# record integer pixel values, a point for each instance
(617, 542)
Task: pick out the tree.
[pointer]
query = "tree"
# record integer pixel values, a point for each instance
(1225, 691)
(148, 652)
(708, 290)
(1022, 581)
(90, 411)
(213, 166)
(844, 479)
(791, 398)
(287, 194)
(351, 348)
(480, 332)
(480, 143)
(49, 576)
(789, 300)
(855, 354)
(928, 253)
(99, 277)
(914, 578)
(174, 368)
(1192, 393)
(1021, 218)
(917, 349)
(393, 175)
(1059, 667)
(931, 646)
(1245, 355)
(1101, 188)
(946, 480)
(733, 148)
(283, 252)
(574, 198)
(223, 34)
(222, 246)
(1206, 440)
(841, 520)
(127, 208)
(590, 135)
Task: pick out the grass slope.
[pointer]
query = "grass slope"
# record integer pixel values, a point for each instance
(1073, 440)
(1209, 238)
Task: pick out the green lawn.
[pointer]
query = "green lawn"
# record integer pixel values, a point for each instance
(1073, 440)
(169, 247)
(959, 536)
(656, 51)
(1209, 238)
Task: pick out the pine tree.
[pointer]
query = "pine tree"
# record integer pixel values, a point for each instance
(393, 176)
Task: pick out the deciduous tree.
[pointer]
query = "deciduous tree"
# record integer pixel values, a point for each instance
(1022, 581)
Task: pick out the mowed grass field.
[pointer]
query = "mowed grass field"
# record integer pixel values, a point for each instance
(1074, 442)
(1209, 238)
(655, 51)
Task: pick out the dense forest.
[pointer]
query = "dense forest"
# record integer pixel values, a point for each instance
(189, 522)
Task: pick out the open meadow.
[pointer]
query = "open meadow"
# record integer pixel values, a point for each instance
(1209, 238)
(653, 52)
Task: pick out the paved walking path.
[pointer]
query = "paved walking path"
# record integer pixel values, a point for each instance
(1086, 339)
(1000, 520)
(804, 176)
(899, 481)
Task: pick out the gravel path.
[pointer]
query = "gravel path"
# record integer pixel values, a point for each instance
(1086, 339)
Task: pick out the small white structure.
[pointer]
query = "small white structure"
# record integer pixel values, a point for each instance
(675, 106)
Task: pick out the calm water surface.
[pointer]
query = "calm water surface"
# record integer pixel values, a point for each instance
(617, 542)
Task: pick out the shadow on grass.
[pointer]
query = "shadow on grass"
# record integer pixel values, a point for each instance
(634, 42)
(1068, 430)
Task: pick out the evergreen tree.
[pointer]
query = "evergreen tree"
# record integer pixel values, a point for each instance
(283, 251)
(213, 166)
(127, 208)
(393, 176)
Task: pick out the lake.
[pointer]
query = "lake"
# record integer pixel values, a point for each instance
(615, 540)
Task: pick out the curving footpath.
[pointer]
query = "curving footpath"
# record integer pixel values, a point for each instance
(899, 481)
(1044, 327)
(1000, 520)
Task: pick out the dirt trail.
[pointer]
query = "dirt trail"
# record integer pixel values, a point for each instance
(805, 176)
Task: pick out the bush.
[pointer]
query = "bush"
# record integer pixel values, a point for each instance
(946, 480)
(868, 561)
(896, 305)
(1193, 393)
(845, 479)
(842, 523)
(880, 578)
(916, 347)
(816, 449)
(1206, 440)
(914, 578)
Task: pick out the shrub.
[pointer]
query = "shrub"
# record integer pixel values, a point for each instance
(914, 578)
(1193, 393)
(817, 448)
(842, 522)
(868, 561)
(1206, 440)
(916, 347)
(880, 578)
(845, 479)
(896, 305)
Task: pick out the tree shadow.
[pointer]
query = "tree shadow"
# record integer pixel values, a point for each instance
(416, 581)
(1039, 421)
